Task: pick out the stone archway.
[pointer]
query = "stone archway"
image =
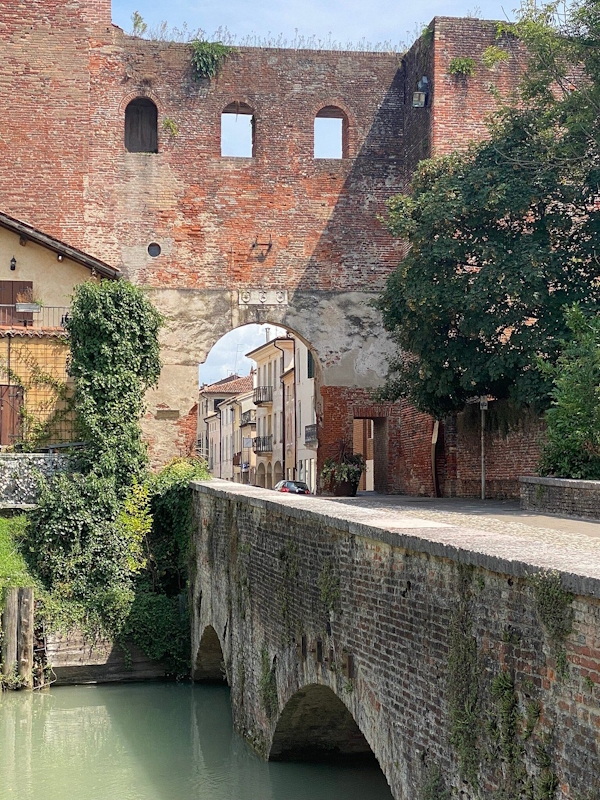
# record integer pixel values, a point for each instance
(315, 725)
(210, 664)
(277, 473)
(269, 483)
(261, 479)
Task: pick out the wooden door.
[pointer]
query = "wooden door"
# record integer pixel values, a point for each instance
(11, 402)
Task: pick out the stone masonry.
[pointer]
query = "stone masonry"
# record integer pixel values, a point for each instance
(19, 474)
(456, 657)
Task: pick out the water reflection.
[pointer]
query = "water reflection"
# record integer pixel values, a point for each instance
(150, 742)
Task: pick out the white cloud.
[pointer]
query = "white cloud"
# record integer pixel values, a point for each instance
(227, 357)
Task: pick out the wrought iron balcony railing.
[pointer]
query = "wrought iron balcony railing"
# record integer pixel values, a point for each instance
(263, 394)
(262, 444)
(310, 434)
(248, 418)
(237, 459)
(32, 315)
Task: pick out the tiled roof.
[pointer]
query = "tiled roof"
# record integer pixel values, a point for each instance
(232, 385)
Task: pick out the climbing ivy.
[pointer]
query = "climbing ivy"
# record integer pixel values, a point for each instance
(113, 330)
(268, 685)
(463, 682)
(329, 585)
(208, 57)
(433, 787)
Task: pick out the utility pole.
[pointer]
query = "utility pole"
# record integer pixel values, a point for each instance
(483, 404)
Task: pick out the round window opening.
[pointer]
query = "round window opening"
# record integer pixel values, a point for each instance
(154, 249)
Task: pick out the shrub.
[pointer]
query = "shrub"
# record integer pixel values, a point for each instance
(572, 449)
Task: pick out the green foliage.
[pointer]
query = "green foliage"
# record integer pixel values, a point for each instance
(160, 626)
(138, 26)
(554, 605)
(572, 447)
(329, 585)
(13, 681)
(462, 684)
(493, 55)
(503, 236)
(13, 568)
(532, 715)
(503, 692)
(171, 508)
(268, 685)
(208, 57)
(346, 466)
(113, 331)
(462, 66)
(434, 787)
(170, 127)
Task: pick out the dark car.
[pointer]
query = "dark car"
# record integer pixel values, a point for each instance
(294, 487)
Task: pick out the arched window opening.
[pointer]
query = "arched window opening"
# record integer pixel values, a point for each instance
(238, 131)
(210, 664)
(331, 133)
(141, 126)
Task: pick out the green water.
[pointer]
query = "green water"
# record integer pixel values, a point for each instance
(150, 742)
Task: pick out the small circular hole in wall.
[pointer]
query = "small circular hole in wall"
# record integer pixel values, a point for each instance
(154, 249)
(510, 581)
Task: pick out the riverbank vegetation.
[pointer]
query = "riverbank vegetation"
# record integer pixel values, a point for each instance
(107, 543)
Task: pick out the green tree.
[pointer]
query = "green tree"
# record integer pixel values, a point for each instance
(503, 236)
(115, 359)
(572, 448)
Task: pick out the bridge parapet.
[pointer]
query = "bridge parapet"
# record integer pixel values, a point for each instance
(456, 657)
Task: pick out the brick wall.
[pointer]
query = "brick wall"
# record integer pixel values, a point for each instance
(561, 496)
(403, 601)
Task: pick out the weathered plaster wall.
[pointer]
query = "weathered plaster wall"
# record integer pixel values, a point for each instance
(440, 623)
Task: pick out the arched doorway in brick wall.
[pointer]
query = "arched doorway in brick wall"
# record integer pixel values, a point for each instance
(258, 406)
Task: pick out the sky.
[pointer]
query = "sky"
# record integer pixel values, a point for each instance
(227, 356)
(375, 21)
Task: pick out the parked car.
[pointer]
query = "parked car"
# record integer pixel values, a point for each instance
(294, 487)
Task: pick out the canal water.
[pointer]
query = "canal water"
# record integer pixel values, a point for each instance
(150, 742)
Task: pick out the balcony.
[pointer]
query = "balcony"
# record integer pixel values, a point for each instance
(34, 316)
(237, 459)
(262, 395)
(248, 418)
(262, 444)
(310, 434)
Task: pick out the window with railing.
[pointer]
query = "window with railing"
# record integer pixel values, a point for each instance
(262, 444)
(310, 434)
(263, 394)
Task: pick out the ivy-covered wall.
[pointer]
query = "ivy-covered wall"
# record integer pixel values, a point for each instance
(470, 671)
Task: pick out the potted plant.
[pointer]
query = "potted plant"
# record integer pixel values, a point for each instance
(341, 474)
(25, 301)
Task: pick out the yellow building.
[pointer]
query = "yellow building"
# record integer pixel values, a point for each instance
(37, 277)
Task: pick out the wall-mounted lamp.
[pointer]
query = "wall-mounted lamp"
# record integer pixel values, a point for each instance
(59, 257)
(13, 263)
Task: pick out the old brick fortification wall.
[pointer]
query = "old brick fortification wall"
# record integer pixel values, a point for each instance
(66, 77)
(424, 615)
(561, 496)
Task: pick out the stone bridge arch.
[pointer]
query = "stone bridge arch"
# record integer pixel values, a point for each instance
(209, 663)
(316, 725)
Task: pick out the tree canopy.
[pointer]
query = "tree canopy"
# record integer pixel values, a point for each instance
(504, 236)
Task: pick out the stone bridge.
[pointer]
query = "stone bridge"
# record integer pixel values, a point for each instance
(458, 660)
